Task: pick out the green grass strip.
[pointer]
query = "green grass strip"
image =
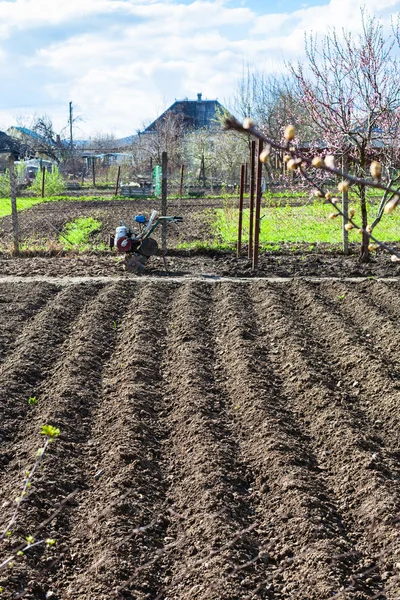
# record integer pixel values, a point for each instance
(298, 224)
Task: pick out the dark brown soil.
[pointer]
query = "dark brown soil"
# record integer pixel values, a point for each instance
(217, 264)
(219, 440)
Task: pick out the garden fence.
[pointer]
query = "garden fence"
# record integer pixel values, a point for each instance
(291, 218)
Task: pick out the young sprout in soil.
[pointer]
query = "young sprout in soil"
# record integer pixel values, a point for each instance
(32, 401)
(51, 433)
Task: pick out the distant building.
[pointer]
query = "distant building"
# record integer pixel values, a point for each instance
(194, 114)
(8, 146)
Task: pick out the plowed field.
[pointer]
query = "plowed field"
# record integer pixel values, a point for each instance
(219, 440)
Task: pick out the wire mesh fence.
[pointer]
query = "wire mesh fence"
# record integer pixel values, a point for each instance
(291, 217)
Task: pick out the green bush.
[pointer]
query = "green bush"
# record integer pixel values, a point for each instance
(5, 185)
(54, 184)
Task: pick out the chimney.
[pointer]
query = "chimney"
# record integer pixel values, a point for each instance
(199, 97)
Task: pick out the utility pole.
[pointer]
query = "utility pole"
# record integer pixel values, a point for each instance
(71, 139)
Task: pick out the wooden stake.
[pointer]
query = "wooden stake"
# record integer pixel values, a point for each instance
(43, 180)
(117, 184)
(345, 210)
(164, 166)
(252, 187)
(240, 224)
(181, 184)
(94, 171)
(14, 213)
(258, 208)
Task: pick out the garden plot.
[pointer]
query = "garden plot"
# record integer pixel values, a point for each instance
(218, 440)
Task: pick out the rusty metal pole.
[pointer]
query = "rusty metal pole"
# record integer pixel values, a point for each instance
(246, 175)
(252, 187)
(240, 224)
(14, 213)
(94, 171)
(43, 180)
(117, 184)
(345, 209)
(181, 183)
(164, 191)
(258, 208)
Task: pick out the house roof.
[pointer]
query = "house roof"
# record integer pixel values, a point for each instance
(195, 114)
(9, 145)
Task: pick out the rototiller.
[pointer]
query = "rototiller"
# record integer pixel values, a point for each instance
(138, 246)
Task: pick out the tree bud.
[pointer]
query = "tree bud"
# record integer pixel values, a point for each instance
(348, 226)
(329, 161)
(391, 206)
(333, 216)
(292, 164)
(376, 169)
(352, 212)
(248, 123)
(289, 133)
(343, 186)
(265, 154)
(317, 162)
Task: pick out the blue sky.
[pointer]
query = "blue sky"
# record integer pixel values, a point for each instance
(121, 62)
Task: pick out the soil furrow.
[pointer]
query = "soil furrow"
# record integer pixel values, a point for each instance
(367, 477)
(17, 305)
(67, 399)
(376, 328)
(386, 297)
(300, 512)
(217, 552)
(123, 521)
(374, 383)
(32, 358)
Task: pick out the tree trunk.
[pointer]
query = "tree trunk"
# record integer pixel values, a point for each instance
(364, 256)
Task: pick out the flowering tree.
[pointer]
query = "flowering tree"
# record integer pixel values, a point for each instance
(348, 90)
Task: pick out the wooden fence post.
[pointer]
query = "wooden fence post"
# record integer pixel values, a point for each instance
(240, 224)
(181, 183)
(13, 196)
(252, 187)
(117, 184)
(258, 208)
(43, 180)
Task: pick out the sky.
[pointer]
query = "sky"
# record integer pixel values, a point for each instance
(122, 62)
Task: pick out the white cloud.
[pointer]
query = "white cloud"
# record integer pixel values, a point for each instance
(118, 68)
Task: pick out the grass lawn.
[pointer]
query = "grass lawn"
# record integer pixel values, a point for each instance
(298, 224)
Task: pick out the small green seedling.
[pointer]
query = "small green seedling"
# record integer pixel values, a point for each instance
(49, 431)
(32, 401)
(341, 297)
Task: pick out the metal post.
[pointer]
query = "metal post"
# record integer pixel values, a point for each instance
(117, 184)
(252, 187)
(258, 208)
(94, 170)
(345, 209)
(43, 180)
(246, 175)
(164, 165)
(181, 184)
(13, 196)
(240, 225)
